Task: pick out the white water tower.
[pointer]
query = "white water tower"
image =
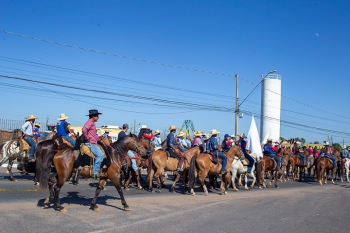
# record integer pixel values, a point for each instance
(271, 106)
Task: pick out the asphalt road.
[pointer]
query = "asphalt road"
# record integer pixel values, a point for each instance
(294, 207)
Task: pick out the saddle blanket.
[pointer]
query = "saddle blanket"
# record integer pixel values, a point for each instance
(213, 158)
(84, 150)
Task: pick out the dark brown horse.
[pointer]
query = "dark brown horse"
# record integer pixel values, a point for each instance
(340, 165)
(159, 162)
(202, 165)
(63, 161)
(286, 152)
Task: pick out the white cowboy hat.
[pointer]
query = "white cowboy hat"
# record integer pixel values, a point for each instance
(198, 133)
(107, 131)
(326, 144)
(269, 139)
(206, 136)
(144, 127)
(31, 117)
(297, 142)
(242, 135)
(180, 134)
(213, 131)
(172, 127)
(233, 136)
(37, 124)
(62, 117)
(157, 131)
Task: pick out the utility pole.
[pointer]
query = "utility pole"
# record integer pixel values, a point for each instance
(237, 108)
(134, 126)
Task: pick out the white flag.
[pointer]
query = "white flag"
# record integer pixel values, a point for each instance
(268, 135)
(253, 140)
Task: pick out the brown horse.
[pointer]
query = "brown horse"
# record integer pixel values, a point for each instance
(311, 166)
(202, 165)
(323, 167)
(295, 161)
(268, 166)
(63, 161)
(140, 161)
(286, 152)
(159, 162)
(340, 165)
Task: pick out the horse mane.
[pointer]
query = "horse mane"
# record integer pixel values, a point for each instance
(119, 146)
(61, 145)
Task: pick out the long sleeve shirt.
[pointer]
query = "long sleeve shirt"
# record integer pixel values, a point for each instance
(36, 132)
(28, 128)
(89, 131)
(171, 141)
(212, 144)
(197, 141)
(268, 150)
(156, 141)
(226, 145)
(344, 153)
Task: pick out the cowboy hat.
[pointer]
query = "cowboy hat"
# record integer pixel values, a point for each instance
(233, 136)
(212, 132)
(107, 131)
(37, 124)
(94, 112)
(242, 135)
(157, 132)
(180, 134)
(172, 127)
(206, 136)
(31, 117)
(62, 117)
(326, 144)
(269, 139)
(198, 133)
(144, 127)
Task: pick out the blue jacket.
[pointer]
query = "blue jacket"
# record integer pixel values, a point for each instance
(171, 140)
(36, 132)
(62, 128)
(268, 150)
(212, 144)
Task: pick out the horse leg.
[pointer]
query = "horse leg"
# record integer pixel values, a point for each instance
(332, 175)
(138, 175)
(234, 174)
(22, 165)
(52, 183)
(162, 181)
(150, 177)
(271, 174)
(166, 175)
(94, 207)
(127, 181)
(223, 183)
(342, 171)
(246, 183)
(276, 180)
(239, 180)
(156, 176)
(202, 176)
(175, 181)
(9, 169)
(57, 189)
(115, 180)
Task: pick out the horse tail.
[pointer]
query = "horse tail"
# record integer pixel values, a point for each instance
(191, 172)
(318, 170)
(258, 173)
(149, 168)
(43, 169)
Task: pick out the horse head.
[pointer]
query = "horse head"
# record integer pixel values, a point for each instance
(130, 143)
(235, 151)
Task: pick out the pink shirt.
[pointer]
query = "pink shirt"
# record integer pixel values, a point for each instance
(316, 154)
(89, 131)
(311, 151)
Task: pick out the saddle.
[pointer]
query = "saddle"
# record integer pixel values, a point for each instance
(24, 145)
(171, 154)
(213, 158)
(329, 159)
(245, 162)
(84, 150)
(274, 163)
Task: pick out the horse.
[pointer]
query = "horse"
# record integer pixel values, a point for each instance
(295, 161)
(13, 149)
(202, 165)
(286, 152)
(268, 165)
(347, 168)
(340, 165)
(63, 160)
(323, 167)
(159, 162)
(311, 166)
(238, 167)
(140, 161)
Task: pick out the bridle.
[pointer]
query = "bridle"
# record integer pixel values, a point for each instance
(137, 149)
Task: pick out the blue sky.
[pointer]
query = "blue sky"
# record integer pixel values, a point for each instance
(306, 41)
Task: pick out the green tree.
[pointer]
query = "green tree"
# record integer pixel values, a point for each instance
(337, 146)
(316, 142)
(302, 140)
(282, 139)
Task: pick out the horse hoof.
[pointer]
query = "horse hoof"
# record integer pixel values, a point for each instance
(96, 209)
(37, 184)
(193, 194)
(26, 173)
(62, 210)
(260, 188)
(47, 201)
(140, 188)
(159, 191)
(211, 187)
(127, 209)
(269, 186)
(277, 186)
(14, 180)
(104, 189)
(225, 193)
(126, 189)
(236, 190)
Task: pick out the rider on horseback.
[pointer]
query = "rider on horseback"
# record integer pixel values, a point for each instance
(171, 142)
(182, 141)
(90, 134)
(28, 133)
(156, 140)
(344, 153)
(327, 151)
(243, 144)
(212, 146)
(226, 143)
(268, 151)
(63, 130)
(36, 130)
(197, 141)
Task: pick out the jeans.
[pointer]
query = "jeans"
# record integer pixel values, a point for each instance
(333, 159)
(302, 158)
(224, 159)
(322, 154)
(32, 145)
(251, 162)
(98, 157)
(282, 161)
(277, 160)
(69, 139)
(133, 161)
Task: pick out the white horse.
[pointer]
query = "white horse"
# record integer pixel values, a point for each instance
(9, 151)
(238, 167)
(347, 168)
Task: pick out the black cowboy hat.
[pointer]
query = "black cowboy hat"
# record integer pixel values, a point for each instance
(94, 112)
